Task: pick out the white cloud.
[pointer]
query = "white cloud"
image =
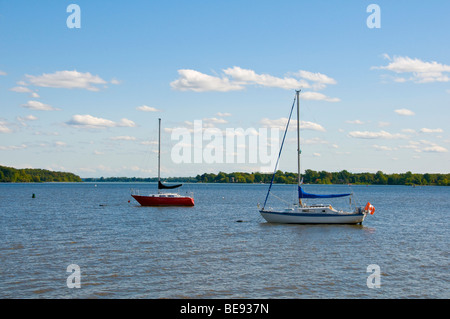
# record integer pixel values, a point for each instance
(206, 124)
(89, 121)
(404, 112)
(246, 76)
(3, 72)
(420, 71)
(314, 140)
(411, 145)
(215, 120)
(318, 97)
(126, 123)
(400, 80)
(375, 135)
(146, 108)
(223, 114)
(237, 78)
(382, 147)
(4, 127)
(21, 89)
(28, 118)
(67, 79)
(281, 124)
(241, 132)
(305, 125)
(60, 144)
(123, 138)
(424, 146)
(13, 147)
(355, 122)
(23, 120)
(429, 130)
(316, 77)
(278, 123)
(320, 80)
(435, 149)
(149, 142)
(191, 80)
(39, 106)
(431, 147)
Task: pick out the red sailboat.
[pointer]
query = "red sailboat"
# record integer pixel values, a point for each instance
(161, 198)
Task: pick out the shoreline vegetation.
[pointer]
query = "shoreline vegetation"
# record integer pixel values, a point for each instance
(35, 175)
(309, 177)
(29, 175)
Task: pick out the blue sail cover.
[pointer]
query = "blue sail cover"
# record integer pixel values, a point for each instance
(302, 194)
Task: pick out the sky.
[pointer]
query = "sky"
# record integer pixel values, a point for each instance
(82, 87)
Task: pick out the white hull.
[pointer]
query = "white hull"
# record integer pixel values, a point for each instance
(313, 215)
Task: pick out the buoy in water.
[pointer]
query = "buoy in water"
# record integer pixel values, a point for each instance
(33, 196)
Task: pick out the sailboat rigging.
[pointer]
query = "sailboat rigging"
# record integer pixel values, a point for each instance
(163, 199)
(301, 213)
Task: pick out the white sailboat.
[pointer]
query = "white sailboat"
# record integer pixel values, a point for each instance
(301, 213)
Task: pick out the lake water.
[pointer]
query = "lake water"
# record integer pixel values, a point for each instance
(222, 247)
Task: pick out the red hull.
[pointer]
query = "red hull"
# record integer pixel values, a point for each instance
(164, 201)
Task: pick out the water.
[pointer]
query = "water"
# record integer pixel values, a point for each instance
(221, 248)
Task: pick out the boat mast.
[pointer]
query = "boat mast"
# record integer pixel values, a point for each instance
(159, 153)
(298, 144)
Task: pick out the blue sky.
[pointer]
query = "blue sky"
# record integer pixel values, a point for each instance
(87, 100)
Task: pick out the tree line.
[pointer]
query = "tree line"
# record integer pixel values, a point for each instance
(12, 175)
(139, 179)
(32, 175)
(309, 177)
(323, 177)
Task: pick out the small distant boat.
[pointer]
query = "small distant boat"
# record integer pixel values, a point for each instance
(163, 199)
(311, 214)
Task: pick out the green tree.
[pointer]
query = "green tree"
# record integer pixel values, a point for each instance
(380, 178)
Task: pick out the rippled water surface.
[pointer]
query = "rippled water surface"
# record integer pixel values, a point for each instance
(221, 248)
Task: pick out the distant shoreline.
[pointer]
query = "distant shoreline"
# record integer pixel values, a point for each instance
(29, 175)
(35, 175)
(310, 177)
